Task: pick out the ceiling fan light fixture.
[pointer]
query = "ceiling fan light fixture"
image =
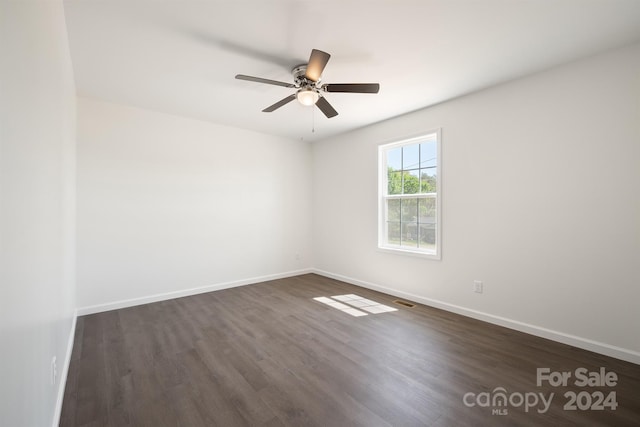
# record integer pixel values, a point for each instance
(307, 97)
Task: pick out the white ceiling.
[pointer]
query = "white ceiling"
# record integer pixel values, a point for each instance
(181, 56)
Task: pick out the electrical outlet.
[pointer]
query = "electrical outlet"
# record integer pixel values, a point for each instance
(54, 371)
(477, 286)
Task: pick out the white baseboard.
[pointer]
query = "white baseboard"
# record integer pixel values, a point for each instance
(82, 311)
(65, 372)
(573, 340)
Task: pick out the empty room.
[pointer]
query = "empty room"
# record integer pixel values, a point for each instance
(320, 213)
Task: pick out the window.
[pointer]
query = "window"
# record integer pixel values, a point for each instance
(409, 193)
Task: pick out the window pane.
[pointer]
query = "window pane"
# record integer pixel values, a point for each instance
(394, 159)
(410, 157)
(394, 182)
(409, 210)
(427, 221)
(428, 154)
(410, 234)
(393, 233)
(411, 183)
(393, 210)
(428, 178)
(427, 210)
(427, 236)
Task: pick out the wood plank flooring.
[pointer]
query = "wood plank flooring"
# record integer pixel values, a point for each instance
(269, 355)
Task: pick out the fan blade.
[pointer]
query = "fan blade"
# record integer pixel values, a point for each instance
(352, 87)
(317, 61)
(279, 104)
(326, 108)
(261, 80)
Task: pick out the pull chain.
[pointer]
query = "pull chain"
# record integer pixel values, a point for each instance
(313, 119)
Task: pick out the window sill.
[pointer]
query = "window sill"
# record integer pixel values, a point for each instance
(408, 252)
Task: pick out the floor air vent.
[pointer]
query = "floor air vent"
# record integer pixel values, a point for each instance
(406, 304)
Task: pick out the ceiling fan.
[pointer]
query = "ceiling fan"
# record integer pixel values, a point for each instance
(306, 79)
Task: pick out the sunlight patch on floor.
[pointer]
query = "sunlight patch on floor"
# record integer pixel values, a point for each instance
(346, 303)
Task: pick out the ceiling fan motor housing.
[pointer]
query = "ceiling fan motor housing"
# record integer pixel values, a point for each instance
(308, 92)
(299, 78)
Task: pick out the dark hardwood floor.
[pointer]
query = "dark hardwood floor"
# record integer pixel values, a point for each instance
(269, 355)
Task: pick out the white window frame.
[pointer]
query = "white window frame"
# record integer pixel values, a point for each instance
(383, 244)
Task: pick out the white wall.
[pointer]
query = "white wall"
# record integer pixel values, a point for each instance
(540, 201)
(37, 146)
(169, 204)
